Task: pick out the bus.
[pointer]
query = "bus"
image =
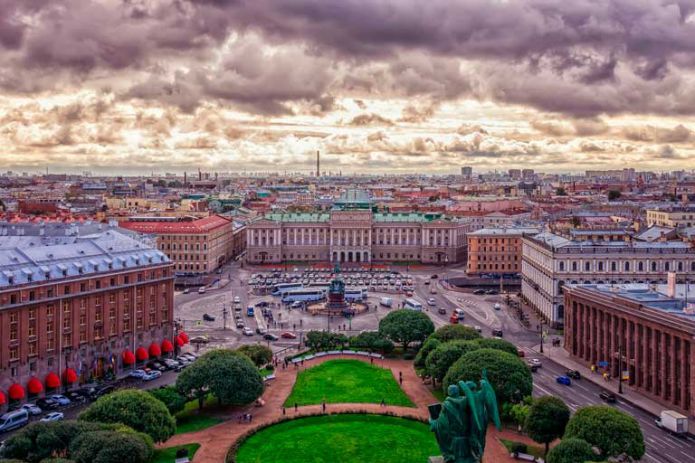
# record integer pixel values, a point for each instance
(304, 295)
(355, 295)
(412, 304)
(281, 289)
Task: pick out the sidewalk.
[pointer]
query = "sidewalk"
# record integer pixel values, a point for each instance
(561, 356)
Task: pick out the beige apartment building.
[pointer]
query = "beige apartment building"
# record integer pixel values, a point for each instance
(194, 245)
(674, 216)
(495, 250)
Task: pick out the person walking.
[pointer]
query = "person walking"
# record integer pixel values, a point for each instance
(323, 405)
(383, 402)
(295, 407)
(400, 378)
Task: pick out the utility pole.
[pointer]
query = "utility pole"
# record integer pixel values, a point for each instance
(225, 312)
(541, 325)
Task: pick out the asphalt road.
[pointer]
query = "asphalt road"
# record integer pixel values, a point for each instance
(661, 446)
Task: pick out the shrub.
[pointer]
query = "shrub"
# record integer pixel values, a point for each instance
(452, 332)
(571, 450)
(406, 326)
(170, 397)
(547, 419)
(611, 431)
(259, 355)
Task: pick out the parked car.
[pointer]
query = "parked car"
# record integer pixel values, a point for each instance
(155, 365)
(237, 300)
(154, 374)
(201, 290)
(189, 356)
(565, 380)
(75, 396)
(183, 361)
(137, 374)
(479, 292)
(270, 337)
(427, 282)
(208, 318)
(32, 409)
(61, 399)
(103, 391)
(574, 374)
(171, 364)
(491, 292)
(497, 332)
(47, 404)
(288, 335)
(202, 339)
(186, 290)
(247, 331)
(53, 416)
(435, 276)
(14, 420)
(431, 302)
(240, 324)
(409, 293)
(497, 306)
(608, 397)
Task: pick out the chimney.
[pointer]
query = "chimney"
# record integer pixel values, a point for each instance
(671, 284)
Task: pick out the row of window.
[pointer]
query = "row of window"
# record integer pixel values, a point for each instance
(653, 266)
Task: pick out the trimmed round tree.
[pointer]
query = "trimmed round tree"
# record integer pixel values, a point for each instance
(406, 326)
(428, 346)
(611, 431)
(571, 450)
(373, 341)
(110, 447)
(443, 356)
(259, 355)
(228, 375)
(509, 376)
(547, 420)
(170, 397)
(136, 409)
(452, 332)
(499, 344)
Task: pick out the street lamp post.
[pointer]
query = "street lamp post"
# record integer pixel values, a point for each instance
(541, 326)
(620, 364)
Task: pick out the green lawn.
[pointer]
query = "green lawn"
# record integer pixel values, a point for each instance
(168, 454)
(346, 381)
(192, 423)
(341, 438)
(535, 450)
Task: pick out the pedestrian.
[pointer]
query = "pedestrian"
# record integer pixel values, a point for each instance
(383, 402)
(400, 378)
(295, 407)
(283, 411)
(323, 406)
(371, 360)
(302, 362)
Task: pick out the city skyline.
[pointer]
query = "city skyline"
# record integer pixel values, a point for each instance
(127, 87)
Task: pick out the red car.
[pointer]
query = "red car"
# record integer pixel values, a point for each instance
(288, 335)
(454, 319)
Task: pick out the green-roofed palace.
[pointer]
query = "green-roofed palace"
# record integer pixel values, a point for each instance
(353, 232)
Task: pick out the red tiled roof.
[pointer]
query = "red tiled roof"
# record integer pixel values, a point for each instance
(203, 225)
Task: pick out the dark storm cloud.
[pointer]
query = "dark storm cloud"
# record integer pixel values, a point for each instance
(582, 58)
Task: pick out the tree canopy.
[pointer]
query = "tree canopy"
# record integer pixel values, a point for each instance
(509, 376)
(547, 420)
(170, 397)
(136, 409)
(259, 355)
(443, 356)
(373, 341)
(428, 346)
(452, 332)
(323, 340)
(406, 326)
(499, 344)
(611, 431)
(228, 375)
(571, 450)
(110, 447)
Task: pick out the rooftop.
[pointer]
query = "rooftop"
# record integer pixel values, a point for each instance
(513, 231)
(159, 225)
(34, 253)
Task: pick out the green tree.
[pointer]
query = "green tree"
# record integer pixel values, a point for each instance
(440, 359)
(547, 420)
(170, 397)
(613, 195)
(323, 340)
(406, 326)
(611, 431)
(110, 447)
(452, 332)
(259, 355)
(136, 409)
(373, 341)
(428, 346)
(509, 376)
(571, 450)
(518, 413)
(228, 375)
(499, 344)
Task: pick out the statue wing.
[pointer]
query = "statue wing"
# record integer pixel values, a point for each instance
(490, 400)
(470, 398)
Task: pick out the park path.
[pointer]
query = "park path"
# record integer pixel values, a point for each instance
(216, 440)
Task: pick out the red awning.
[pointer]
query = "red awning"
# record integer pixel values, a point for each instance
(3, 399)
(34, 386)
(184, 337)
(155, 350)
(167, 346)
(141, 354)
(16, 392)
(179, 342)
(69, 376)
(128, 357)
(52, 381)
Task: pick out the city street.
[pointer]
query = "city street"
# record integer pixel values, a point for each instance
(661, 447)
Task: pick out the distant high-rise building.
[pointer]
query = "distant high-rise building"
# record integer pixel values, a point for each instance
(527, 174)
(515, 174)
(467, 171)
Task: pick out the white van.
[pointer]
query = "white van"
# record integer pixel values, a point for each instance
(14, 420)
(386, 302)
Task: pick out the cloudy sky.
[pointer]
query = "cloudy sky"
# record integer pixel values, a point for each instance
(132, 86)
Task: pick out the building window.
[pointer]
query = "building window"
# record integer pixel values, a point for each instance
(14, 355)
(562, 266)
(627, 266)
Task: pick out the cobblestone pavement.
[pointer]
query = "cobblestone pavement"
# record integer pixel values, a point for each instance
(216, 441)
